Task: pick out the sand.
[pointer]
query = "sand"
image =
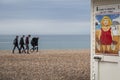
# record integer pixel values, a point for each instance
(45, 65)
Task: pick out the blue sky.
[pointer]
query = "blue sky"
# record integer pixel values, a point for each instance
(44, 16)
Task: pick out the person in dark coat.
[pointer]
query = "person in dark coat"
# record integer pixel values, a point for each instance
(37, 43)
(27, 43)
(22, 43)
(15, 43)
(34, 43)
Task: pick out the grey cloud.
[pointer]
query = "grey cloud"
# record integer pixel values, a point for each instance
(65, 12)
(55, 9)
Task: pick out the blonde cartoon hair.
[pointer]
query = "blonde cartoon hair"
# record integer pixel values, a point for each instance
(109, 21)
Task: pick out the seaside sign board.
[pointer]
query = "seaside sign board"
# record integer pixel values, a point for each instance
(107, 29)
(105, 40)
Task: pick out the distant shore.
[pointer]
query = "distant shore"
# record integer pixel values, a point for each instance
(45, 65)
(48, 51)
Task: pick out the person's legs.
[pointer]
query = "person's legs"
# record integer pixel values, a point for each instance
(23, 48)
(18, 49)
(108, 48)
(27, 47)
(13, 48)
(103, 48)
(33, 47)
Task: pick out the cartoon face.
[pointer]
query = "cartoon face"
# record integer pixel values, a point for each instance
(106, 21)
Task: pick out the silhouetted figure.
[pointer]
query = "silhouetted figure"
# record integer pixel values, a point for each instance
(27, 43)
(22, 43)
(34, 43)
(15, 43)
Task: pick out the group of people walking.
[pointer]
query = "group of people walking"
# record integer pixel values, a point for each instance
(19, 44)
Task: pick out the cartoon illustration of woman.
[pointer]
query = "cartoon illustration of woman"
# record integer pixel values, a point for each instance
(105, 34)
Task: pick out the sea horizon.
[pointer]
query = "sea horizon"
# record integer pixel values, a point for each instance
(50, 41)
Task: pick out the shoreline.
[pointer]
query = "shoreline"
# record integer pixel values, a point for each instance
(47, 51)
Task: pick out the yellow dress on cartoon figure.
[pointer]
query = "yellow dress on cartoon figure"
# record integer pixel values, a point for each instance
(105, 35)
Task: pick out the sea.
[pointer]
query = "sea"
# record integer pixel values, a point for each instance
(50, 42)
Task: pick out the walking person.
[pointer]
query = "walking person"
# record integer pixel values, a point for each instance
(27, 43)
(22, 43)
(34, 43)
(15, 43)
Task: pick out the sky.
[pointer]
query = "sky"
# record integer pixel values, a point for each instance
(44, 16)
